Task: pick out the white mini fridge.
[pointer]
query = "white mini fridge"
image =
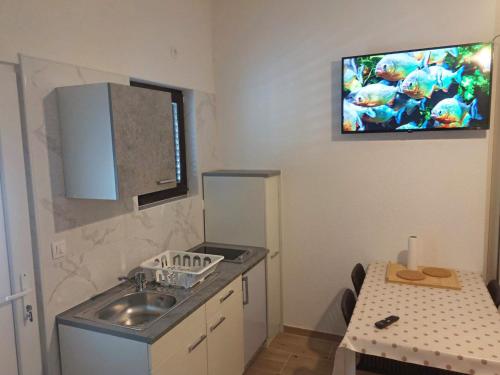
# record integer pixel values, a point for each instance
(242, 207)
(254, 309)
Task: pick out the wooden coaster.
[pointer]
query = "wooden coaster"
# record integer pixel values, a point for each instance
(410, 275)
(436, 272)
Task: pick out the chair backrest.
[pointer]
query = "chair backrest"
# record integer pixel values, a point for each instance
(358, 276)
(347, 305)
(494, 289)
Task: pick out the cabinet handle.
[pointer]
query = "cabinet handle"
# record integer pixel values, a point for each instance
(214, 327)
(245, 290)
(198, 342)
(229, 294)
(275, 254)
(163, 182)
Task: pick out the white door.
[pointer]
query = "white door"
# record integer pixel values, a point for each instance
(8, 357)
(273, 233)
(254, 310)
(16, 276)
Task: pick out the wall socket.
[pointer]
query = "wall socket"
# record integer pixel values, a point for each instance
(58, 249)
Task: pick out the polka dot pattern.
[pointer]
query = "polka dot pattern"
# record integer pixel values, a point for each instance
(457, 330)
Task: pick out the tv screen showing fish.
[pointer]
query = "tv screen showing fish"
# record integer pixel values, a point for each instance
(445, 88)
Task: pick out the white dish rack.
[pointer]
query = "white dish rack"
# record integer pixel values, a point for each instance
(181, 268)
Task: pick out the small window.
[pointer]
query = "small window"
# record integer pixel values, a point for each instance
(180, 147)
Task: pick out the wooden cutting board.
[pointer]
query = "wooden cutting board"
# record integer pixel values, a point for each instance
(434, 282)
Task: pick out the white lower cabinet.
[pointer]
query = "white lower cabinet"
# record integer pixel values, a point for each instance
(225, 331)
(182, 351)
(208, 342)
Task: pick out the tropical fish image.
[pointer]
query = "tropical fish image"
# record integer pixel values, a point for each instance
(419, 84)
(397, 66)
(381, 114)
(352, 121)
(375, 94)
(361, 111)
(437, 56)
(352, 76)
(436, 88)
(454, 113)
(444, 77)
(410, 126)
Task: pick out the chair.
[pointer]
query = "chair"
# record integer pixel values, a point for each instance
(494, 289)
(358, 276)
(380, 365)
(347, 305)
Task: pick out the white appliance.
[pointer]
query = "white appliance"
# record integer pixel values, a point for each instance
(242, 207)
(254, 309)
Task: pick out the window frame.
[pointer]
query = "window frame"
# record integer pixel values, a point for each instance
(181, 189)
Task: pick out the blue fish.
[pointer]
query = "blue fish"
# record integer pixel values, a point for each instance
(436, 56)
(383, 113)
(353, 77)
(376, 94)
(419, 84)
(396, 66)
(410, 126)
(444, 77)
(352, 120)
(353, 115)
(454, 113)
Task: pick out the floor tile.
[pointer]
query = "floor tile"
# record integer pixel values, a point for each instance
(291, 354)
(303, 346)
(298, 365)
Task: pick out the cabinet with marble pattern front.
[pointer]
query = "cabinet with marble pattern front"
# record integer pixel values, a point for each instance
(117, 140)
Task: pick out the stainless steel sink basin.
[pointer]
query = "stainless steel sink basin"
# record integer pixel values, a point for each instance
(137, 310)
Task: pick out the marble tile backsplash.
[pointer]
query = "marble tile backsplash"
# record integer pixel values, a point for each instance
(104, 239)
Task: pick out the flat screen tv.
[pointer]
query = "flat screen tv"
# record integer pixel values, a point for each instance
(444, 88)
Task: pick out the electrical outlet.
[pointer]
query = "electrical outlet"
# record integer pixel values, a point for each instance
(58, 249)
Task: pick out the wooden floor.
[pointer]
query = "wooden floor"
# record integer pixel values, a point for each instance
(291, 354)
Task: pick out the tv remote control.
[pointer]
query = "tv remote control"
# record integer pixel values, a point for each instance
(381, 324)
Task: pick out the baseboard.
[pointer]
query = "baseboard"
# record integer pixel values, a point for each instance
(310, 333)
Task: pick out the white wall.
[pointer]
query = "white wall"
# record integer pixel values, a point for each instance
(105, 239)
(346, 198)
(131, 37)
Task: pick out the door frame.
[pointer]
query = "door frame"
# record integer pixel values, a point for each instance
(17, 223)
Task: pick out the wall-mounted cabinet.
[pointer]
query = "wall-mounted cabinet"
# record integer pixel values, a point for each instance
(117, 140)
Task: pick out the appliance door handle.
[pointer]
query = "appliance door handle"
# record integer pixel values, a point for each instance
(197, 343)
(246, 297)
(229, 294)
(163, 182)
(275, 254)
(214, 327)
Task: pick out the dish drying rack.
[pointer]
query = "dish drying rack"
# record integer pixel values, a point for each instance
(180, 268)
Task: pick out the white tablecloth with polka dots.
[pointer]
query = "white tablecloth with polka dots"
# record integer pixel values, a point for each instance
(457, 330)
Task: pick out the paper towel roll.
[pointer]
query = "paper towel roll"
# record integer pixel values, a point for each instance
(412, 253)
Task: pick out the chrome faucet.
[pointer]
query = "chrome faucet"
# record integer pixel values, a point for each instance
(139, 280)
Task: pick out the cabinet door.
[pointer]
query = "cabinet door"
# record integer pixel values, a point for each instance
(225, 334)
(254, 310)
(182, 351)
(274, 319)
(234, 210)
(143, 139)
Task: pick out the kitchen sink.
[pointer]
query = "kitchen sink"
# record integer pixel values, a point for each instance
(125, 307)
(137, 310)
(230, 255)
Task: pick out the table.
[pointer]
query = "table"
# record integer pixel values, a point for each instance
(458, 330)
